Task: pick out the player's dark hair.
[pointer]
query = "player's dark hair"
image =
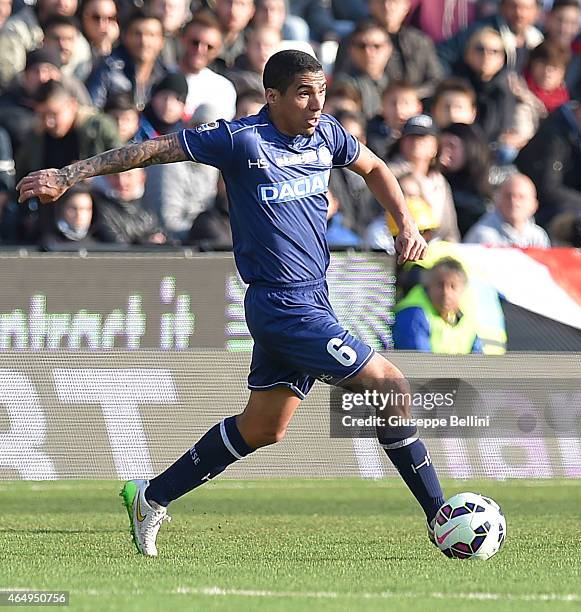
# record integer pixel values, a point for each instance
(282, 68)
(51, 89)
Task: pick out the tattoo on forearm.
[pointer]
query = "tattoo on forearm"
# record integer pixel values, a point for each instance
(162, 150)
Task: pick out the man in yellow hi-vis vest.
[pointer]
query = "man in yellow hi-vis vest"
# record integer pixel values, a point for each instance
(438, 316)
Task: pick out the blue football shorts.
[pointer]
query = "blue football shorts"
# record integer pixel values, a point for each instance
(297, 339)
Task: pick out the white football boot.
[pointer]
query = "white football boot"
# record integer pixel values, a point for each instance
(145, 519)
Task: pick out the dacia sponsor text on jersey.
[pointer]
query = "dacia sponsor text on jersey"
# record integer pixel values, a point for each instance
(294, 189)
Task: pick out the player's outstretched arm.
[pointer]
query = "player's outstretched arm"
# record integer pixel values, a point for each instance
(49, 185)
(409, 243)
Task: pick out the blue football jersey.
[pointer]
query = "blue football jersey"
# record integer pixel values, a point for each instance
(277, 186)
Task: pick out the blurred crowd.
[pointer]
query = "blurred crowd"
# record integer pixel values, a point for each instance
(474, 105)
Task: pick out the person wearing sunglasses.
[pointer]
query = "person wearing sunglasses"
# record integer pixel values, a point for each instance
(483, 67)
(369, 51)
(100, 27)
(134, 66)
(202, 41)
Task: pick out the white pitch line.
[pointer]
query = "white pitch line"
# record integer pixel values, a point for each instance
(221, 592)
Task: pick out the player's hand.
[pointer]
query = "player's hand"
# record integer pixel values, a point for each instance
(46, 185)
(410, 245)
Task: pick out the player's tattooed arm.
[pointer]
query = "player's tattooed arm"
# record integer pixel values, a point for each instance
(49, 185)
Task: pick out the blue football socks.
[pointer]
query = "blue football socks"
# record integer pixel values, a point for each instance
(412, 460)
(220, 446)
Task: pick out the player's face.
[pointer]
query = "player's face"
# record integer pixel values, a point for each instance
(299, 109)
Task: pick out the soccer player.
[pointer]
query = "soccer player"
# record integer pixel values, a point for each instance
(276, 167)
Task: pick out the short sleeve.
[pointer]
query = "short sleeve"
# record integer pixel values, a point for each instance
(209, 143)
(345, 147)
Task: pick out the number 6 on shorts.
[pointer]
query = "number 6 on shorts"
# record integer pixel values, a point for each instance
(345, 355)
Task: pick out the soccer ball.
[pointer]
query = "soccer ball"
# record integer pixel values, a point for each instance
(470, 526)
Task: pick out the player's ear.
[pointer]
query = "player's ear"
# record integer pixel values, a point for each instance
(272, 95)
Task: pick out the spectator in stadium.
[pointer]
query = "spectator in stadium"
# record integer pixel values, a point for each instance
(454, 102)
(562, 21)
(317, 14)
(5, 11)
(9, 209)
(174, 14)
(380, 235)
(413, 57)
(418, 155)
(17, 104)
(512, 223)
(249, 103)
(164, 112)
(370, 48)
(442, 19)
(23, 33)
(61, 33)
(273, 13)
(552, 159)
(465, 162)
(342, 97)
(246, 74)
(202, 41)
(211, 230)
(338, 235)
(122, 110)
(134, 66)
(545, 74)
(124, 219)
(100, 27)
(437, 315)
(67, 131)
(484, 60)
(233, 18)
(573, 77)
(176, 193)
(399, 102)
(73, 221)
(356, 207)
(515, 23)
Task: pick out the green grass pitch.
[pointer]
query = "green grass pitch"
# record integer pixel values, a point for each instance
(274, 545)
